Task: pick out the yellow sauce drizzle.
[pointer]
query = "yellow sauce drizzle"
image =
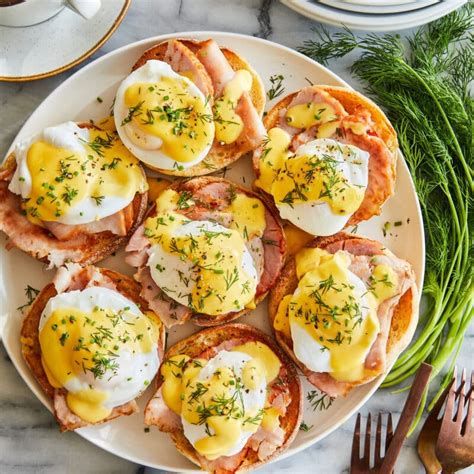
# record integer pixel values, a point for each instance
(62, 178)
(309, 114)
(213, 401)
(329, 308)
(229, 124)
(74, 342)
(167, 110)
(216, 259)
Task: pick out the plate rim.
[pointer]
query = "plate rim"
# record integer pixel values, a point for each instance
(32, 384)
(54, 72)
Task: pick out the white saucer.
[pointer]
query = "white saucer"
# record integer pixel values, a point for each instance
(51, 47)
(368, 22)
(380, 8)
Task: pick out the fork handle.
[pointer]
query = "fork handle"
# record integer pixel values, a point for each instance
(406, 418)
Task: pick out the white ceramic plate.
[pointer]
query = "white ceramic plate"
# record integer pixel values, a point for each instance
(58, 44)
(379, 9)
(76, 99)
(364, 21)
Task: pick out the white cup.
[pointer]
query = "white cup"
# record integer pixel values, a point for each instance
(31, 12)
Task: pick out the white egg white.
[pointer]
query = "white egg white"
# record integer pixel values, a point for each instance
(134, 371)
(170, 266)
(253, 399)
(144, 146)
(308, 350)
(70, 136)
(317, 217)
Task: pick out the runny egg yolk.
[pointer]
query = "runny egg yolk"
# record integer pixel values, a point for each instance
(165, 109)
(331, 309)
(61, 178)
(79, 344)
(229, 124)
(216, 280)
(217, 402)
(293, 179)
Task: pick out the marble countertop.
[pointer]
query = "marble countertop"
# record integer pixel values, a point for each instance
(29, 437)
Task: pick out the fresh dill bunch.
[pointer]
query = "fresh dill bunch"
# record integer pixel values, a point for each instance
(425, 86)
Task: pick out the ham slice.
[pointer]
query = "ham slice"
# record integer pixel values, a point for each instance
(118, 223)
(216, 64)
(169, 311)
(183, 60)
(221, 72)
(159, 414)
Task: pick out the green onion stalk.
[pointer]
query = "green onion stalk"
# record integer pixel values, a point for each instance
(425, 86)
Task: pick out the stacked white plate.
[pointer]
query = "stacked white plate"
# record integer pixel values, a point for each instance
(374, 15)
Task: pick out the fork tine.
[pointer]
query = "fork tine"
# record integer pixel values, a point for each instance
(461, 400)
(378, 441)
(389, 436)
(470, 407)
(368, 428)
(355, 455)
(448, 412)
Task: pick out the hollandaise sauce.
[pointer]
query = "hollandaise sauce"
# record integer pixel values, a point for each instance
(316, 176)
(207, 266)
(166, 109)
(229, 123)
(334, 311)
(222, 401)
(103, 355)
(75, 176)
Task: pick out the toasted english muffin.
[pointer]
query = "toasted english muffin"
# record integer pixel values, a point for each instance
(220, 155)
(402, 323)
(382, 166)
(206, 344)
(82, 247)
(30, 344)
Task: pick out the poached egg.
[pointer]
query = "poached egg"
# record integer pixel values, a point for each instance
(100, 347)
(163, 118)
(75, 175)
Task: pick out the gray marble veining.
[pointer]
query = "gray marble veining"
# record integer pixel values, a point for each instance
(29, 439)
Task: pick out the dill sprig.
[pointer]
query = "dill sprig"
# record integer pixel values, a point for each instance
(425, 89)
(318, 400)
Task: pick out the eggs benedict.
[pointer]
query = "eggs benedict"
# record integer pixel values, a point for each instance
(228, 397)
(343, 308)
(92, 345)
(328, 159)
(209, 250)
(72, 192)
(190, 107)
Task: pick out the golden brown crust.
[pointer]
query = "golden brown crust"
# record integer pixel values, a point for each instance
(196, 184)
(353, 102)
(206, 339)
(405, 315)
(29, 335)
(92, 247)
(220, 155)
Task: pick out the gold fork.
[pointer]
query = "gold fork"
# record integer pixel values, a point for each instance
(455, 445)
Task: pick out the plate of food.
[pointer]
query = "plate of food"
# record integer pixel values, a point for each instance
(220, 245)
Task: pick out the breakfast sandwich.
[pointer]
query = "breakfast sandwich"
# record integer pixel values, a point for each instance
(71, 193)
(229, 398)
(92, 345)
(190, 107)
(344, 308)
(328, 160)
(209, 251)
